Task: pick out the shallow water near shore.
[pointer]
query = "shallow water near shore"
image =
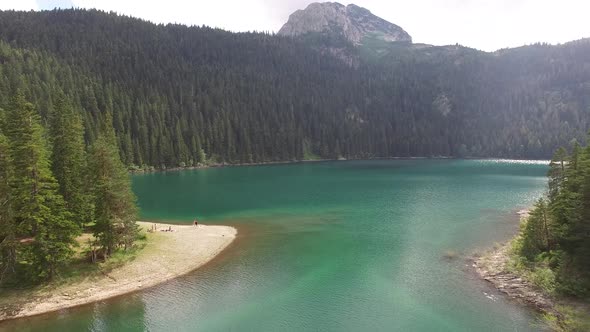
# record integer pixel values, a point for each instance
(358, 245)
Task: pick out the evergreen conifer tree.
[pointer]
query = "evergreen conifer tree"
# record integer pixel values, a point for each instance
(69, 159)
(7, 235)
(115, 210)
(42, 222)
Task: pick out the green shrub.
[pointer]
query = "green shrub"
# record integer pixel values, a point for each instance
(544, 278)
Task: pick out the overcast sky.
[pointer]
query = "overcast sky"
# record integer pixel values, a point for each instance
(482, 24)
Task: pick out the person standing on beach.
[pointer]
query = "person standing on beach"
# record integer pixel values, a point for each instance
(196, 223)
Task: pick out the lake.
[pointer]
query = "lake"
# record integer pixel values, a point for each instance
(330, 246)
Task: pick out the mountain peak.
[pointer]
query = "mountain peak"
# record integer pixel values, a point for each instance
(353, 22)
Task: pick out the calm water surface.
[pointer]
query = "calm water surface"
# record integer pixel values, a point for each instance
(329, 246)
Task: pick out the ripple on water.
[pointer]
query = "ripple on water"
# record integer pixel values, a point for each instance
(331, 246)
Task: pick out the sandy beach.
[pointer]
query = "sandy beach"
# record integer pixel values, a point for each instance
(167, 255)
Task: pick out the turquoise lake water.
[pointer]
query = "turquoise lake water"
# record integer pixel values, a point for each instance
(330, 246)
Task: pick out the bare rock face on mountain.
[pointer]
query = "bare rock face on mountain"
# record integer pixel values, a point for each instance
(353, 22)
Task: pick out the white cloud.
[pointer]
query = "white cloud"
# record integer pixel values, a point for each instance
(18, 5)
(483, 24)
(230, 15)
(488, 24)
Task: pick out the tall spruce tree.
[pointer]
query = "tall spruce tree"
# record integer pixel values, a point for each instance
(44, 227)
(536, 237)
(69, 159)
(579, 234)
(556, 172)
(7, 231)
(115, 209)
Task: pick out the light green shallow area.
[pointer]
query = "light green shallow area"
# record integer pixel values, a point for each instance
(330, 246)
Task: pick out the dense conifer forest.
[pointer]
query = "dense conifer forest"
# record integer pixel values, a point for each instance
(86, 96)
(51, 190)
(181, 95)
(554, 244)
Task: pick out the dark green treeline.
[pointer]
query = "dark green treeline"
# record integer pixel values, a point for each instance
(555, 239)
(186, 95)
(50, 191)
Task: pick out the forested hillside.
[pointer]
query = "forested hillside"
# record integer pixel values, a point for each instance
(185, 95)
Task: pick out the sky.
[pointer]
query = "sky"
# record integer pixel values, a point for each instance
(483, 24)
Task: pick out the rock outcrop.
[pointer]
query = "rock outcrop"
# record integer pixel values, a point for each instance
(352, 22)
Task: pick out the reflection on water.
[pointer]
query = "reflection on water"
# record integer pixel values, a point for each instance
(125, 313)
(330, 246)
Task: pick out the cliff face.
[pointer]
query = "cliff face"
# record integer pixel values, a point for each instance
(352, 22)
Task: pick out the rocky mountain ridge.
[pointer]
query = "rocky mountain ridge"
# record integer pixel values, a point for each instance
(352, 22)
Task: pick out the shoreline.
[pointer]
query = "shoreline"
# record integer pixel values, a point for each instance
(166, 256)
(291, 162)
(493, 267)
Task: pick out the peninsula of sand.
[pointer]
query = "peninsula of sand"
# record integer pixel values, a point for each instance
(166, 255)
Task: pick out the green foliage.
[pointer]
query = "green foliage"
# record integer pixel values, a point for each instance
(41, 215)
(41, 220)
(69, 160)
(554, 243)
(572, 320)
(7, 226)
(186, 95)
(201, 157)
(115, 209)
(164, 96)
(557, 172)
(535, 233)
(544, 278)
(310, 156)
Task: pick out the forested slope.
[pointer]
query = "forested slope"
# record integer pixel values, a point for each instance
(181, 95)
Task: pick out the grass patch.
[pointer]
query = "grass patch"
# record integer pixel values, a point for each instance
(17, 292)
(308, 155)
(573, 319)
(538, 273)
(574, 315)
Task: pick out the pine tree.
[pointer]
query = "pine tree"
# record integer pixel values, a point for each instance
(41, 220)
(7, 231)
(557, 234)
(579, 234)
(202, 156)
(115, 210)
(69, 159)
(556, 172)
(536, 237)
